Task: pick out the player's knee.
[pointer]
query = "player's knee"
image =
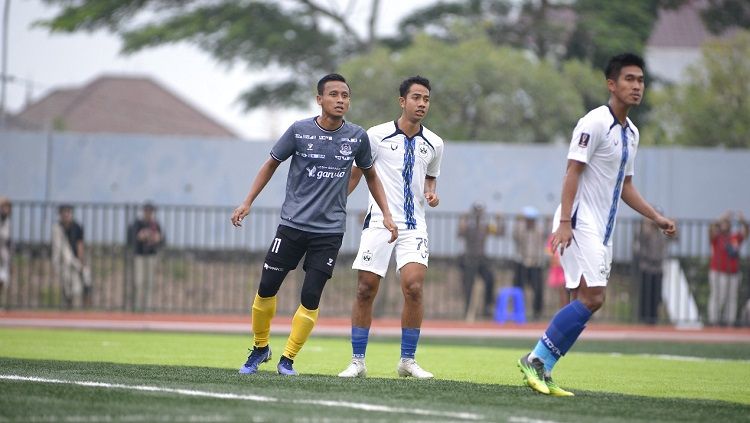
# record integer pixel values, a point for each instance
(592, 300)
(310, 296)
(366, 292)
(413, 291)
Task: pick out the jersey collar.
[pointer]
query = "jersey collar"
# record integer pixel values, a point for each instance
(399, 131)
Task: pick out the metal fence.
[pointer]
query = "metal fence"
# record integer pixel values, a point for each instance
(208, 266)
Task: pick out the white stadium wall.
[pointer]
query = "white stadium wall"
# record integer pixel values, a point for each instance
(695, 183)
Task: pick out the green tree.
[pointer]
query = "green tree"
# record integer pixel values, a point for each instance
(299, 38)
(602, 32)
(712, 107)
(479, 92)
(722, 14)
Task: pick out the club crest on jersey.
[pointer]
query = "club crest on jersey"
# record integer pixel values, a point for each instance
(367, 257)
(346, 149)
(583, 142)
(423, 150)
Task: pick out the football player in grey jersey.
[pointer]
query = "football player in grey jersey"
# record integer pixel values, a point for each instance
(313, 216)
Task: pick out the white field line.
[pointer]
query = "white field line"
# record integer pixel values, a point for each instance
(255, 398)
(671, 357)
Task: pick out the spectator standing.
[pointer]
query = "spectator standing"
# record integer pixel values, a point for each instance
(68, 259)
(649, 250)
(724, 272)
(474, 227)
(146, 238)
(5, 247)
(530, 239)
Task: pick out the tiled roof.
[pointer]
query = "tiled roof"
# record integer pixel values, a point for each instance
(682, 27)
(121, 104)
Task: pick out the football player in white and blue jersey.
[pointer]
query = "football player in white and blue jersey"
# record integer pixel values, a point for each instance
(313, 217)
(407, 159)
(599, 173)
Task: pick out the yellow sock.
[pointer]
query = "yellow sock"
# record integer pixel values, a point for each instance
(263, 311)
(302, 324)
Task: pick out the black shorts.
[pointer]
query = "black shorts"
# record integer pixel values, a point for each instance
(289, 245)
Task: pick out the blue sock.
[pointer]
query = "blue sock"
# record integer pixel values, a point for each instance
(359, 341)
(562, 333)
(409, 339)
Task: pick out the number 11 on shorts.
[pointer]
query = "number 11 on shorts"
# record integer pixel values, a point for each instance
(275, 246)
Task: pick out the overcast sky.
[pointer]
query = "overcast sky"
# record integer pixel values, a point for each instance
(56, 61)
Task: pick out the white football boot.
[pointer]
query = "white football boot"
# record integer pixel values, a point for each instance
(409, 367)
(356, 369)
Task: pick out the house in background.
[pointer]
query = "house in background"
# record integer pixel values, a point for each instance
(676, 40)
(119, 105)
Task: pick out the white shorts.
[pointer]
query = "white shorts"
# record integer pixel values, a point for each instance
(374, 253)
(587, 256)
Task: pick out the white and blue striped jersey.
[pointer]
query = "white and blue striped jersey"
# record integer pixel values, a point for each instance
(608, 149)
(403, 173)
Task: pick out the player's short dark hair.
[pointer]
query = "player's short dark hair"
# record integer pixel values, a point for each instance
(64, 207)
(616, 63)
(328, 78)
(408, 82)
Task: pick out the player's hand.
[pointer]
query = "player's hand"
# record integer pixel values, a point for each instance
(432, 199)
(562, 237)
(667, 226)
(239, 214)
(388, 223)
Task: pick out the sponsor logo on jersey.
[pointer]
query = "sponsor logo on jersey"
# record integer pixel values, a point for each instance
(394, 146)
(350, 139)
(309, 146)
(314, 172)
(583, 142)
(311, 155)
(325, 137)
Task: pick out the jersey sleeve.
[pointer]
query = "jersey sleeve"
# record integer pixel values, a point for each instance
(364, 158)
(586, 138)
(433, 169)
(285, 146)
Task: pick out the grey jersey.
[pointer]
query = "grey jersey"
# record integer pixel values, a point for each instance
(316, 187)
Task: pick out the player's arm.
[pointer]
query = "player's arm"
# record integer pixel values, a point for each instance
(430, 191)
(378, 194)
(564, 234)
(632, 198)
(264, 175)
(354, 179)
(81, 250)
(744, 228)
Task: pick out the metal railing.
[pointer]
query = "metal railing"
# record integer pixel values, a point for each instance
(208, 266)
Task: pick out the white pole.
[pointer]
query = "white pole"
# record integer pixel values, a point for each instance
(4, 65)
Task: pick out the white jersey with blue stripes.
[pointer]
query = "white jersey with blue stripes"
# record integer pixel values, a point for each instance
(608, 149)
(388, 145)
